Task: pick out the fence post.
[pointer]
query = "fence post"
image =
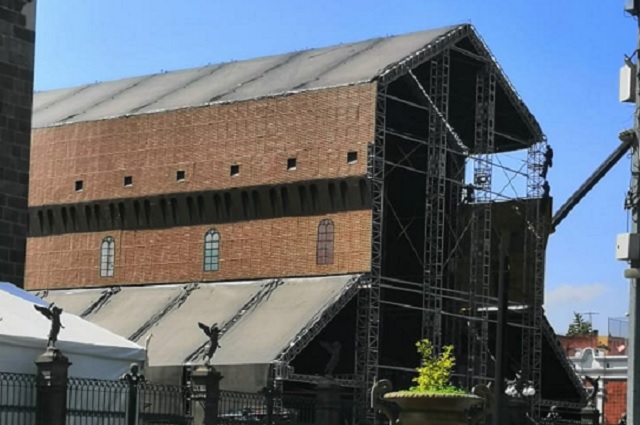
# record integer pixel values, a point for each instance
(51, 384)
(208, 377)
(270, 392)
(517, 411)
(589, 415)
(328, 403)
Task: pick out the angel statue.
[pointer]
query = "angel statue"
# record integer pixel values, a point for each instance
(595, 386)
(53, 314)
(213, 333)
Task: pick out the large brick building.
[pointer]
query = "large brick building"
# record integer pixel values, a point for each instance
(339, 194)
(263, 174)
(17, 32)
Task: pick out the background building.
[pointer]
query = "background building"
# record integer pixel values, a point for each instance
(368, 194)
(604, 356)
(17, 29)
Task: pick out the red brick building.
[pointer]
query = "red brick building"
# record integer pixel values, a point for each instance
(603, 357)
(343, 193)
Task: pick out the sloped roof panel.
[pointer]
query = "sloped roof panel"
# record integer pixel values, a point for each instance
(42, 100)
(261, 335)
(215, 303)
(268, 314)
(73, 301)
(82, 101)
(143, 94)
(230, 82)
(382, 53)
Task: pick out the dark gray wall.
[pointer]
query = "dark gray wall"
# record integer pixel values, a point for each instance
(17, 37)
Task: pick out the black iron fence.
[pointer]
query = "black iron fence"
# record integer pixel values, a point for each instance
(236, 408)
(94, 401)
(17, 399)
(122, 402)
(97, 402)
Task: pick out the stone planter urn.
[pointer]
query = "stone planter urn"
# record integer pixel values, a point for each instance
(433, 409)
(405, 408)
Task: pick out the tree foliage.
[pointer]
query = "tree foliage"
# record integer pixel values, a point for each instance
(579, 326)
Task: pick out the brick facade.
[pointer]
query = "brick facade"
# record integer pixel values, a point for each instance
(318, 128)
(615, 401)
(248, 250)
(16, 90)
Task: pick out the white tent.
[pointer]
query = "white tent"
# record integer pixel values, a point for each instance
(93, 351)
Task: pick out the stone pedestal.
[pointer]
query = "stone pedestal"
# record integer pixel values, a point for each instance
(517, 411)
(51, 393)
(328, 403)
(589, 416)
(209, 378)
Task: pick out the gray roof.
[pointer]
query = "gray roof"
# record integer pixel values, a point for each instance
(345, 64)
(260, 333)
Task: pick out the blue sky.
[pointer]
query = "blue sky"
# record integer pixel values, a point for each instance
(562, 56)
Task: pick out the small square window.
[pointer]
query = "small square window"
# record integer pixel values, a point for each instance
(234, 170)
(291, 164)
(180, 175)
(352, 157)
(128, 181)
(79, 185)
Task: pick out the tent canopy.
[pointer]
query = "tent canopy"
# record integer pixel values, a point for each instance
(93, 351)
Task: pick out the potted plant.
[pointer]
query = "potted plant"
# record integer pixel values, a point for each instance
(434, 400)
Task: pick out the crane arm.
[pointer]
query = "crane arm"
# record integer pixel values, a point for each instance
(627, 140)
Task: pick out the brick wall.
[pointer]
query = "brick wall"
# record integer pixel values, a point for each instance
(615, 402)
(16, 88)
(249, 250)
(317, 128)
(572, 343)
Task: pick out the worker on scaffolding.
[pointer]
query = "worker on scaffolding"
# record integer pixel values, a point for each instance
(546, 190)
(469, 196)
(548, 162)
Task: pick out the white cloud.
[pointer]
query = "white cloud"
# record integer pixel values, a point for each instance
(573, 295)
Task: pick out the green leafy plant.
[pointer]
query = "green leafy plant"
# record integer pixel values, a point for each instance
(580, 327)
(434, 374)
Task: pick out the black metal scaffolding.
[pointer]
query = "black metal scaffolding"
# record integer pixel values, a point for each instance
(447, 174)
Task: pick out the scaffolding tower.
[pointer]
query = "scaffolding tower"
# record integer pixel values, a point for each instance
(434, 264)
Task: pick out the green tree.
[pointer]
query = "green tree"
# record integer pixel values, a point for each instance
(579, 327)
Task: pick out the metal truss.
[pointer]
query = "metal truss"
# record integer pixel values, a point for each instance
(347, 381)
(568, 366)
(435, 203)
(447, 304)
(535, 242)
(480, 235)
(399, 69)
(562, 404)
(369, 298)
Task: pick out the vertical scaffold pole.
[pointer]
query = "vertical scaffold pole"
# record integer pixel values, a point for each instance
(480, 237)
(435, 202)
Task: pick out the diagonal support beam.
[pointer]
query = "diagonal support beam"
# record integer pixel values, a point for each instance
(424, 95)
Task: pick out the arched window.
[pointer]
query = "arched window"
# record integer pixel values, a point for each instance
(211, 251)
(324, 247)
(107, 256)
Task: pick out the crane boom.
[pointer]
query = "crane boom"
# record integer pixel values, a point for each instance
(586, 187)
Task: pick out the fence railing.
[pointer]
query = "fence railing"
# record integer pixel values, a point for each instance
(17, 399)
